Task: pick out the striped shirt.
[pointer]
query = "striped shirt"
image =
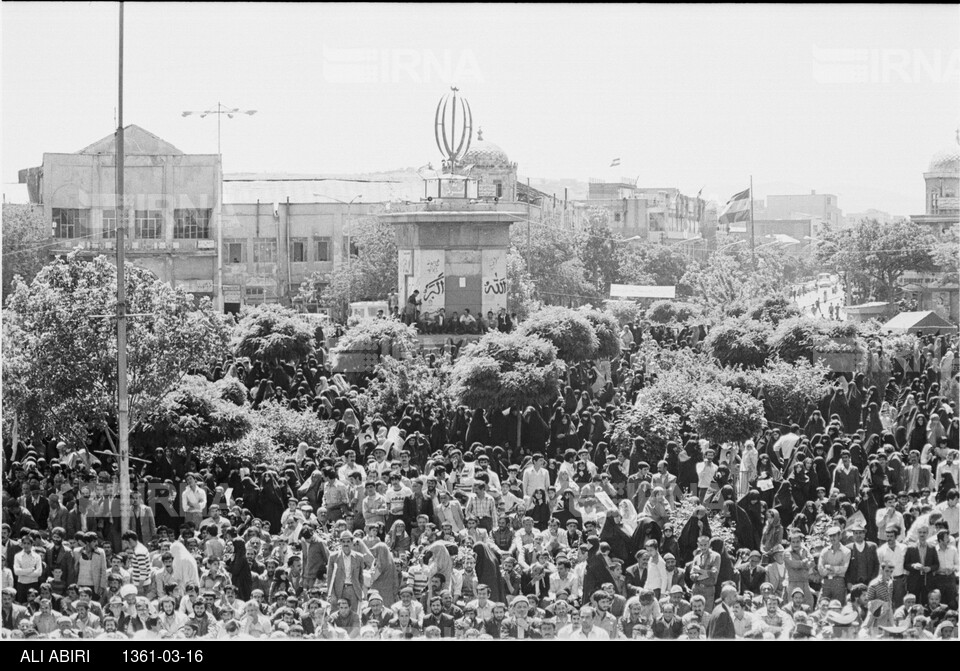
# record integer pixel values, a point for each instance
(140, 569)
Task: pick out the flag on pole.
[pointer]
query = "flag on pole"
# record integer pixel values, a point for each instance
(736, 209)
(615, 162)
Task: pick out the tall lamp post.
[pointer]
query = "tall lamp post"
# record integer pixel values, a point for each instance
(230, 112)
(349, 254)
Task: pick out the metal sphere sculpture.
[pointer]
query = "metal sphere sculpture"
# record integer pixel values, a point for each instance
(453, 110)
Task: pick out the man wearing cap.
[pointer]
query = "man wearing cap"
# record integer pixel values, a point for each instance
(376, 611)
(518, 625)
(833, 564)
(864, 563)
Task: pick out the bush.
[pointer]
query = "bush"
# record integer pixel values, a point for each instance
(683, 378)
(790, 389)
(739, 342)
(673, 312)
(607, 330)
(271, 333)
(370, 333)
(773, 309)
(506, 370)
(795, 339)
(727, 415)
(288, 428)
(197, 413)
(398, 383)
(625, 312)
(650, 423)
(567, 330)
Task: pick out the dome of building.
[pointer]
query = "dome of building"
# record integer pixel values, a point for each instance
(485, 154)
(947, 161)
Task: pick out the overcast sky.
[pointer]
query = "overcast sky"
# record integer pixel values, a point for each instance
(847, 100)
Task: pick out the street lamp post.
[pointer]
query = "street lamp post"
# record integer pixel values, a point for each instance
(230, 112)
(349, 254)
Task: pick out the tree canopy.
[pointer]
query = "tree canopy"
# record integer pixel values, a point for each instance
(506, 370)
(871, 257)
(568, 330)
(271, 333)
(60, 350)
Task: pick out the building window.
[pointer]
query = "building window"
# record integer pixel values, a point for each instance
(109, 223)
(264, 251)
(191, 224)
(499, 185)
(298, 251)
(69, 223)
(323, 249)
(148, 224)
(254, 294)
(616, 216)
(234, 252)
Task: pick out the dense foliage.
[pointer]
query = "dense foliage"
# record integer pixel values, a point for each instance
(567, 330)
(270, 333)
(506, 370)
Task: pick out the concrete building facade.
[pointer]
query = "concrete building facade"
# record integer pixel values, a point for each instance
(172, 200)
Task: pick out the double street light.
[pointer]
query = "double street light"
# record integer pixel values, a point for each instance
(230, 112)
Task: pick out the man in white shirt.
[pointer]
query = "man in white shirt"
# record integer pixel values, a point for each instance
(657, 579)
(706, 469)
(890, 516)
(27, 567)
(564, 579)
(951, 511)
(536, 477)
(351, 466)
(892, 552)
(587, 630)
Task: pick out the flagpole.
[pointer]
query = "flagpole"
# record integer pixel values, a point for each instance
(753, 252)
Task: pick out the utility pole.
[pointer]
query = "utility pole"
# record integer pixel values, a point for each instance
(123, 402)
(753, 251)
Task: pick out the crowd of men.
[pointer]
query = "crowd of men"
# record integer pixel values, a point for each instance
(434, 522)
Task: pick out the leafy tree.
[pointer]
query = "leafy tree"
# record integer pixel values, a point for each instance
(400, 382)
(271, 333)
(872, 257)
(371, 333)
(597, 246)
(506, 370)
(607, 330)
(945, 253)
(371, 273)
(790, 390)
(773, 309)
(657, 264)
(739, 342)
(24, 232)
(551, 257)
(63, 350)
(626, 312)
(567, 330)
(672, 312)
(198, 412)
(522, 292)
(650, 423)
(724, 415)
(795, 339)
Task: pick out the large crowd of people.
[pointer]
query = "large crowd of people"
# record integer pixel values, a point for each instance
(434, 522)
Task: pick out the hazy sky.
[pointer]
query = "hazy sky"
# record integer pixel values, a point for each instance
(851, 100)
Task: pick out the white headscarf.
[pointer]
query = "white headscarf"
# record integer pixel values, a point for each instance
(185, 570)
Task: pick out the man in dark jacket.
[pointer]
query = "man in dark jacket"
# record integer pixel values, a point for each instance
(721, 620)
(864, 562)
(437, 618)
